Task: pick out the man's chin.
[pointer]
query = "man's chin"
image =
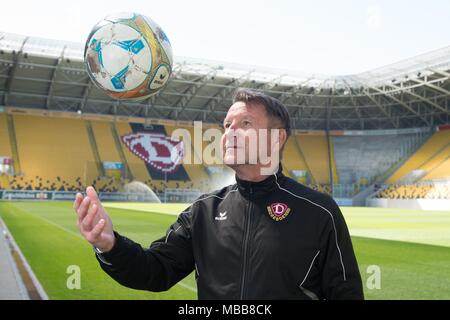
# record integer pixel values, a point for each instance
(230, 162)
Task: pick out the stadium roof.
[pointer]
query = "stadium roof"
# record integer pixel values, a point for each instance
(50, 74)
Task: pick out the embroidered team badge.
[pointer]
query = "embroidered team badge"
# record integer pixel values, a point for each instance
(278, 211)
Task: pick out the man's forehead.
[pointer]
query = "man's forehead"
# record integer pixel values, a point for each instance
(247, 109)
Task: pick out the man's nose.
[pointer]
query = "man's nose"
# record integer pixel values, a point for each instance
(231, 133)
(233, 125)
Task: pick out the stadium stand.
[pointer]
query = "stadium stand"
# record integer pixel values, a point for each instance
(324, 188)
(416, 191)
(437, 159)
(218, 174)
(57, 151)
(424, 159)
(196, 171)
(361, 159)
(137, 167)
(67, 154)
(315, 151)
(332, 157)
(440, 172)
(104, 138)
(54, 155)
(4, 182)
(293, 159)
(5, 148)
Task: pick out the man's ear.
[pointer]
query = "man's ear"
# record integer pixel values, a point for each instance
(280, 142)
(283, 137)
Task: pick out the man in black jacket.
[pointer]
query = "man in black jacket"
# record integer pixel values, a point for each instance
(265, 237)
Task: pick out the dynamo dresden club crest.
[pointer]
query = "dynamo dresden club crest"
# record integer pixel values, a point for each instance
(161, 152)
(278, 211)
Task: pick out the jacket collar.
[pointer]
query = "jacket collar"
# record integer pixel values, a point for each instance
(251, 189)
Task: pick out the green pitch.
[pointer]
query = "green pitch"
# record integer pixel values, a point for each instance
(411, 248)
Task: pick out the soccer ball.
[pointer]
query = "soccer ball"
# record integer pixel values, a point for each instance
(128, 56)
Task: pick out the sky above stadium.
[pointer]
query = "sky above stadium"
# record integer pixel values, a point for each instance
(325, 37)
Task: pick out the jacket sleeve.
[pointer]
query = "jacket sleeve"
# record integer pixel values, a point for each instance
(341, 279)
(167, 260)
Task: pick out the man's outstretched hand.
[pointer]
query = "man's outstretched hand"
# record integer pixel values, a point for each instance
(94, 223)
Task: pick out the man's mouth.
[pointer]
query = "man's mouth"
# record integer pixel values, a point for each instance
(232, 148)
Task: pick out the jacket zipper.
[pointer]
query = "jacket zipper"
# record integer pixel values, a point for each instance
(246, 236)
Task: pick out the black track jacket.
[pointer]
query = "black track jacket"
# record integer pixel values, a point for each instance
(274, 239)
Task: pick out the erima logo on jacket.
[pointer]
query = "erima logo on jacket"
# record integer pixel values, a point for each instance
(222, 216)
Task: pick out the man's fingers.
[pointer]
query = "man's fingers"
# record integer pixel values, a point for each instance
(98, 229)
(83, 208)
(91, 193)
(77, 202)
(89, 218)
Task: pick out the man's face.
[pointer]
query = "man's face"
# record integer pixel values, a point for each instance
(240, 140)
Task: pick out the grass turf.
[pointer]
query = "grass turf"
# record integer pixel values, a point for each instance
(49, 239)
